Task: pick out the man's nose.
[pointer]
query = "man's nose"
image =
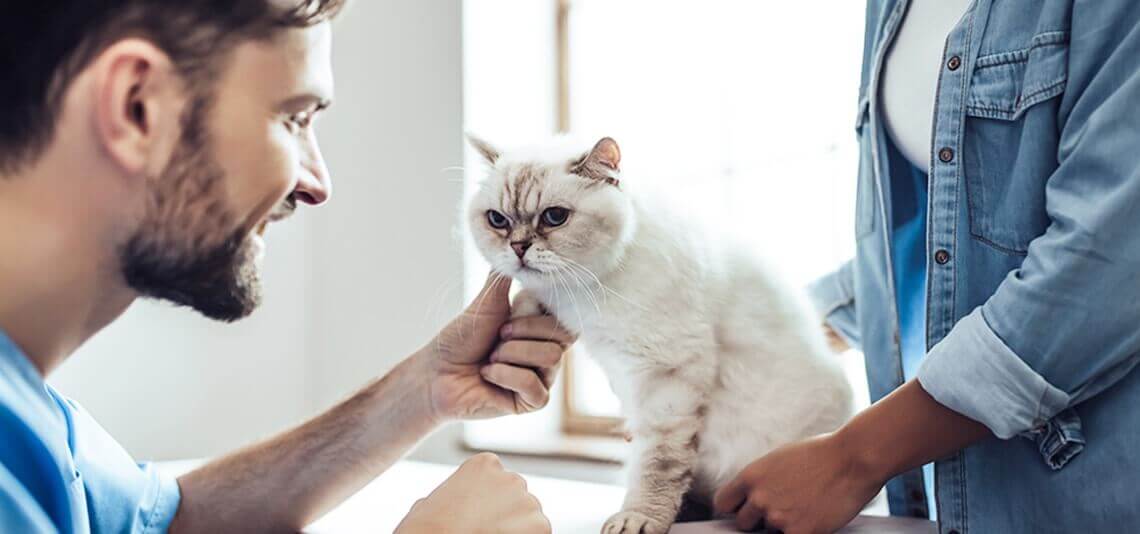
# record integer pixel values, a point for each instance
(520, 248)
(315, 184)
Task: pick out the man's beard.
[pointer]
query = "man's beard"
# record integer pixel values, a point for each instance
(189, 248)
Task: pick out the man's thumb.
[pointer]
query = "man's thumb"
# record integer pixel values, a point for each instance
(494, 298)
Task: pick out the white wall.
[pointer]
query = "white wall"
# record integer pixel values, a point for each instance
(169, 384)
(351, 287)
(387, 269)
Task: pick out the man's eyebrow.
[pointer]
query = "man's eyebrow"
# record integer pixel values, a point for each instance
(304, 102)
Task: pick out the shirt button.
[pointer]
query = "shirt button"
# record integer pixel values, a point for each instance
(946, 155)
(954, 63)
(917, 495)
(942, 257)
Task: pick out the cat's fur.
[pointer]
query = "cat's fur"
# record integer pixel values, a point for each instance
(714, 361)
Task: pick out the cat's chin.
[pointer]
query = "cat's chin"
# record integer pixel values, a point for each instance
(528, 276)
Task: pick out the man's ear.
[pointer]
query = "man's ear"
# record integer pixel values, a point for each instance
(138, 98)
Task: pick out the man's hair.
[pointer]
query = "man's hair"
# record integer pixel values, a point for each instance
(44, 44)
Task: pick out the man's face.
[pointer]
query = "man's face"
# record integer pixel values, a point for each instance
(247, 155)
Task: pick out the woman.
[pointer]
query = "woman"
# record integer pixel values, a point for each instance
(993, 291)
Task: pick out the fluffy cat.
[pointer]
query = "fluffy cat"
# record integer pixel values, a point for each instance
(714, 361)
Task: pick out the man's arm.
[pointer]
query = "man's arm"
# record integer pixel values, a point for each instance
(292, 479)
(478, 366)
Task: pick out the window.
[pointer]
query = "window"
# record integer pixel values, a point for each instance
(743, 108)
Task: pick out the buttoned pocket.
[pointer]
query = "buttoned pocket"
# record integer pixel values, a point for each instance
(1010, 140)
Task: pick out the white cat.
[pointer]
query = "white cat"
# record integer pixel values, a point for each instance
(714, 361)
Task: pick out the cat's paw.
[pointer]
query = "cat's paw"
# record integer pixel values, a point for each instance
(526, 304)
(632, 522)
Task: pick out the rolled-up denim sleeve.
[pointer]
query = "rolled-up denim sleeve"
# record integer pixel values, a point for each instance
(1064, 326)
(833, 297)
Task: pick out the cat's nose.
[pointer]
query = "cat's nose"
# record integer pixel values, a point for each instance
(520, 248)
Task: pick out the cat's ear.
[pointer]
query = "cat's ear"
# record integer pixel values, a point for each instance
(603, 162)
(485, 149)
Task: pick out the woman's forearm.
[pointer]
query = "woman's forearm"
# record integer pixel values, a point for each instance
(905, 430)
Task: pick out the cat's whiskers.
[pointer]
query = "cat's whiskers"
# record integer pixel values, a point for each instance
(454, 168)
(582, 269)
(554, 288)
(570, 294)
(604, 287)
(560, 265)
(582, 284)
(592, 288)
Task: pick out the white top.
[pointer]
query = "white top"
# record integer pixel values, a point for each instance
(910, 75)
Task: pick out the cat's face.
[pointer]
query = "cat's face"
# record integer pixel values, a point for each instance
(551, 221)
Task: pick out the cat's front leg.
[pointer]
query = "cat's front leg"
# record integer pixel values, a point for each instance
(525, 304)
(666, 439)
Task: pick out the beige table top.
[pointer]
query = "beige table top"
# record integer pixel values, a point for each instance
(573, 507)
(863, 524)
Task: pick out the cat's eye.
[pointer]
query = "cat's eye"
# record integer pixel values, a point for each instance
(555, 216)
(497, 220)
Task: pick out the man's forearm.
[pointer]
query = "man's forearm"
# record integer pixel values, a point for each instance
(904, 430)
(294, 478)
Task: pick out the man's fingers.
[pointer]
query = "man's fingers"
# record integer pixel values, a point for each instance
(539, 328)
(527, 520)
(525, 383)
(749, 517)
(534, 354)
(542, 356)
(730, 496)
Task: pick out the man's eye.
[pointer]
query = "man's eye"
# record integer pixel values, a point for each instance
(300, 121)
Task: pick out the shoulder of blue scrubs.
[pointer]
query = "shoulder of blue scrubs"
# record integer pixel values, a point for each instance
(19, 510)
(60, 465)
(122, 495)
(36, 489)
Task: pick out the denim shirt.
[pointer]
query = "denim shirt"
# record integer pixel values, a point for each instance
(1033, 271)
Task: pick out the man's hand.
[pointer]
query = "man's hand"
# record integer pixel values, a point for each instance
(806, 487)
(483, 364)
(479, 497)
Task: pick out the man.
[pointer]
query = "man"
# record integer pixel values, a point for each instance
(994, 289)
(144, 147)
